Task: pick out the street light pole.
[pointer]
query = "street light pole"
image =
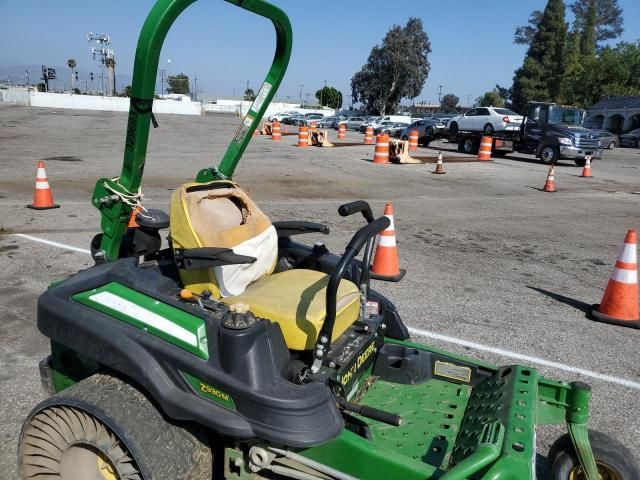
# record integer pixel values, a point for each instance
(301, 102)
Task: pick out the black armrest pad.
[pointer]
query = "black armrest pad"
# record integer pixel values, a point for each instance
(208, 257)
(297, 227)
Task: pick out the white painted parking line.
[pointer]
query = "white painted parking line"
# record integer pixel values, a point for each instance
(436, 336)
(53, 244)
(526, 358)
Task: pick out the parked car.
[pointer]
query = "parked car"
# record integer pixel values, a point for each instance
(354, 123)
(382, 126)
(328, 122)
(280, 116)
(312, 117)
(487, 120)
(293, 119)
(426, 127)
(395, 130)
(369, 122)
(607, 138)
(630, 139)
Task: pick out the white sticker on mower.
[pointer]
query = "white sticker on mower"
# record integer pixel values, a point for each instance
(243, 129)
(261, 97)
(145, 316)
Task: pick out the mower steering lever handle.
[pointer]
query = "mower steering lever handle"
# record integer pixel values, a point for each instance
(354, 207)
(323, 343)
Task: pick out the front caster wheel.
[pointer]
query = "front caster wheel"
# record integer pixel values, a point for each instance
(614, 460)
(105, 428)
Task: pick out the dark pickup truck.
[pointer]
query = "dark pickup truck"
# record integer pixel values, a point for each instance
(549, 131)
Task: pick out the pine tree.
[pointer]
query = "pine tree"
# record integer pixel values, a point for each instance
(588, 33)
(540, 77)
(609, 21)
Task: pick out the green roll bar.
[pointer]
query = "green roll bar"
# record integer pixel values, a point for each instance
(116, 197)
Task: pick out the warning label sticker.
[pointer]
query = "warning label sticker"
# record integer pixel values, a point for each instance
(261, 97)
(243, 129)
(450, 370)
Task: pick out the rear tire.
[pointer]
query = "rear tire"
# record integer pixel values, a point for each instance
(612, 145)
(549, 154)
(614, 460)
(453, 128)
(488, 129)
(104, 427)
(470, 146)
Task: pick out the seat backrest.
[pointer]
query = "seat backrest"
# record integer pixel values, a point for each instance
(221, 214)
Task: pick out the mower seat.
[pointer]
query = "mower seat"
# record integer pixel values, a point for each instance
(220, 214)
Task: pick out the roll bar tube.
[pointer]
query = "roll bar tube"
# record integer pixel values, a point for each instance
(109, 194)
(354, 246)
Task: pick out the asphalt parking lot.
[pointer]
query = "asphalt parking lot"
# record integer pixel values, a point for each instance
(496, 268)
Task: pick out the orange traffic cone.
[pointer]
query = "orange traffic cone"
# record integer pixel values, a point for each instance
(439, 165)
(276, 134)
(550, 184)
(385, 261)
(619, 304)
(342, 131)
(42, 197)
(368, 136)
(484, 152)
(381, 152)
(586, 171)
(413, 140)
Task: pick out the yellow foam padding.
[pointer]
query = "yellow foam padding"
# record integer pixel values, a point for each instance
(183, 233)
(296, 299)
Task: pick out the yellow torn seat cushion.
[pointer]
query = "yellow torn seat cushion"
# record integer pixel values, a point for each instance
(296, 299)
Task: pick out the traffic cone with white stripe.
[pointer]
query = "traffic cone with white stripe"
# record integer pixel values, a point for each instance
(385, 261)
(619, 304)
(439, 166)
(550, 184)
(42, 197)
(586, 171)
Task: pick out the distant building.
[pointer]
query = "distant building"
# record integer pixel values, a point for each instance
(424, 108)
(619, 114)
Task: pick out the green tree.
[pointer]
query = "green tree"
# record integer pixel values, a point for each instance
(330, 97)
(449, 103)
(571, 83)
(505, 94)
(249, 95)
(588, 32)
(490, 99)
(178, 84)
(395, 69)
(71, 63)
(127, 91)
(608, 19)
(540, 77)
(524, 35)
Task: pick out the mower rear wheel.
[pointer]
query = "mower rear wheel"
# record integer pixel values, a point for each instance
(614, 460)
(105, 428)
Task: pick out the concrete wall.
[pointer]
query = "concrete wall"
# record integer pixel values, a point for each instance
(110, 104)
(16, 95)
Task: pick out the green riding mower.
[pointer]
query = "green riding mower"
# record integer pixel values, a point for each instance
(239, 353)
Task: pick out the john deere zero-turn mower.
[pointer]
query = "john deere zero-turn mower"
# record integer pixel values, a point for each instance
(239, 353)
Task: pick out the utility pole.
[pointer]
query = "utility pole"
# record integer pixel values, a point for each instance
(26, 74)
(162, 74)
(440, 93)
(195, 88)
(301, 102)
(468, 100)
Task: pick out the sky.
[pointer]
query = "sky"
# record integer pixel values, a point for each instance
(226, 46)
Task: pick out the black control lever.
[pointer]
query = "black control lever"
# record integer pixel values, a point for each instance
(323, 343)
(355, 207)
(370, 412)
(208, 257)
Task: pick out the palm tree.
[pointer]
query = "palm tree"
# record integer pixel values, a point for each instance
(71, 63)
(110, 63)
